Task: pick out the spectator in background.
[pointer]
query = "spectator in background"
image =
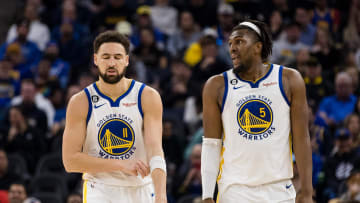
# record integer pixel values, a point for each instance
(9, 83)
(17, 192)
(72, 38)
(351, 32)
(38, 32)
(175, 90)
(276, 25)
(164, 17)
(337, 168)
(353, 188)
(6, 176)
(324, 50)
(285, 50)
(23, 138)
(302, 57)
(324, 17)
(28, 54)
(188, 33)
(308, 30)
(60, 69)
(354, 74)
(143, 20)
(226, 21)
(37, 108)
(329, 114)
(189, 175)
(210, 64)
(316, 86)
(114, 12)
(153, 57)
(352, 123)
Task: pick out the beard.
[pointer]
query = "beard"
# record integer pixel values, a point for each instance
(240, 69)
(113, 78)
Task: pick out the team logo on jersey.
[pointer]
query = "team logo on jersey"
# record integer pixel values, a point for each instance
(116, 137)
(255, 118)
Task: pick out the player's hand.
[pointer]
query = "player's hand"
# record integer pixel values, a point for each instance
(208, 200)
(135, 167)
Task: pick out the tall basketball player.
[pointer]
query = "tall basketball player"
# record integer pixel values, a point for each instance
(254, 115)
(113, 132)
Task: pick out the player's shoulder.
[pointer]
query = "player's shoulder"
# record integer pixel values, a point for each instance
(291, 73)
(215, 82)
(150, 92)
(78, 102)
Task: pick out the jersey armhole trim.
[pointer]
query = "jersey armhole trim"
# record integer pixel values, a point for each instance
(90, 106)
(139, 100)
(281, 86)
(225, 91)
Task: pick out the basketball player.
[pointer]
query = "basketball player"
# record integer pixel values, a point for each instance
(253, 115)
(107, 128)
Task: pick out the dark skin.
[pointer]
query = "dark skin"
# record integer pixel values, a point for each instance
(245, 50)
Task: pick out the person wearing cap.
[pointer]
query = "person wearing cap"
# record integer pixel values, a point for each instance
(339, 165)
(316, 86)
(254, 116)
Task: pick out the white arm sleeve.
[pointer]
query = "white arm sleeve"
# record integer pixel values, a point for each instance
(210, 159)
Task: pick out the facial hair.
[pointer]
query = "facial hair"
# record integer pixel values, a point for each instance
(111, 79)
(240, 69)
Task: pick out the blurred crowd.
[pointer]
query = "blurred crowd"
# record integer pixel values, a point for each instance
(176, 45)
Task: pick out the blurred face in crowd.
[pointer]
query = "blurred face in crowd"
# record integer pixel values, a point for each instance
(167, 129)
(322, 37)
(302, 17)
(3, 163)
(186, 21)
(354, 124)
(147, 37)
(17, 193)
(293, 33)
(31, 12)
(112, 60)
(74, 198)
(28, 92)
(343, 85)
(69, 11)
(22, 31)
(5, 68)
(276, 18)
(313, 71)
(195, 156)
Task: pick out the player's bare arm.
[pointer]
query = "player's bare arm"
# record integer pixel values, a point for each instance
(212, 100)
(210, 157)
(152, 108)
(295, 91)
(73, 139)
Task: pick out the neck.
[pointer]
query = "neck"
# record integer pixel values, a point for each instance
(114, 90)
(255, 71)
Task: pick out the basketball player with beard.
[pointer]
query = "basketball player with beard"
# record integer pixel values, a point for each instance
(113, 132)
(254, 116)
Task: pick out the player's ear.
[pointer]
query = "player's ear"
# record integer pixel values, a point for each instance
(95, 59)
(258, 47)
(126, 60)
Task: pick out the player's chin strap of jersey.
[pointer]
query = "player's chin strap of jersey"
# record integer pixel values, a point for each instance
(210, 159)
(157, 162)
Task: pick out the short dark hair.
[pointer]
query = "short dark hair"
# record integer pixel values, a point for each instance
(111, 36)
(264, 37)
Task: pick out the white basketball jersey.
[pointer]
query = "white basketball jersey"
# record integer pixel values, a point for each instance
(115, 131)
(256, 121)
